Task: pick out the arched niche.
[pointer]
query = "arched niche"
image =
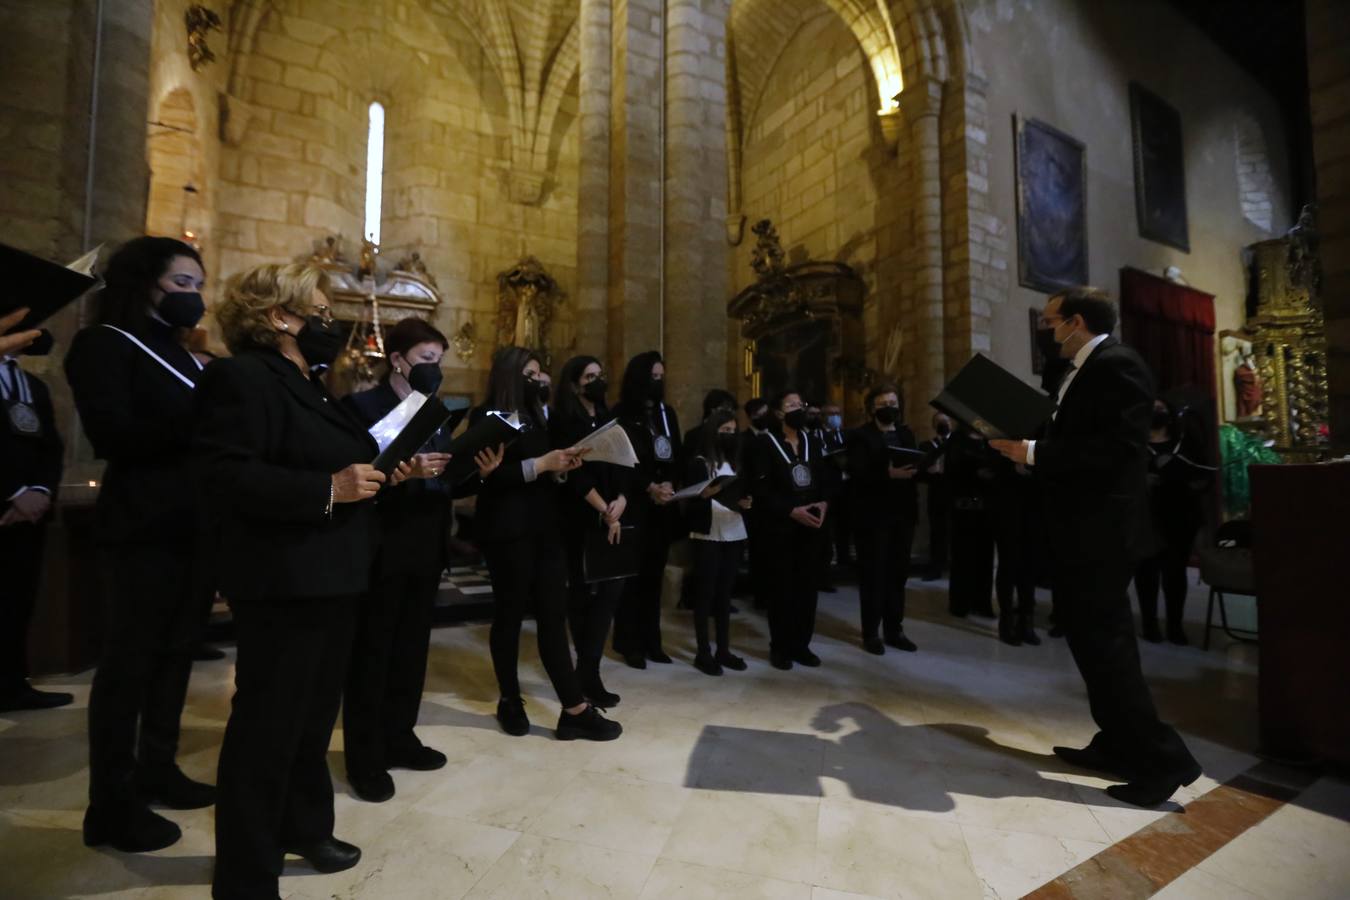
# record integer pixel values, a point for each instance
(177, 205)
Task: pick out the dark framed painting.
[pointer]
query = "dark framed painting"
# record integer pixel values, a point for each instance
(1037, 357)
(1052, 250)
(1159, 169)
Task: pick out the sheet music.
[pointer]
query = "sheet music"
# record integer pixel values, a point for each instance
(692, 491)
(609, 444)
(388, 428)
(85, 264)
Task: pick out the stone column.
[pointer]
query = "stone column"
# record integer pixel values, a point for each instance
(920, 103)
(594, 85)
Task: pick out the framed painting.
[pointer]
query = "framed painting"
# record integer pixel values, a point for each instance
(1051, 166)
(1159, 169)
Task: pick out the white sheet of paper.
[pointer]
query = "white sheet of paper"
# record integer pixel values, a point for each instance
(388, 428)
(609, 443)
(85, 264)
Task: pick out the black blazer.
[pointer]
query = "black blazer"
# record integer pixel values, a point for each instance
(414, 515)
(1093, 460)
(509, 507)
(877, 497)
(643, 426)
(138, 417)
(31, 461)
(268, 441)
(775, 492)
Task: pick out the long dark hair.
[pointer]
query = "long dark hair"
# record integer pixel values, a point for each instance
(505, 392)
(131, 274)
(637, 375)
(709, 446)
(567, 401)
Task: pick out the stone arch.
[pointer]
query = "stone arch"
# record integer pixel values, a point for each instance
(177, 205)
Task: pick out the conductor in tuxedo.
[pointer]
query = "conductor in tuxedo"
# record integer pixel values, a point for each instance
(1092, 462)
(30, 471)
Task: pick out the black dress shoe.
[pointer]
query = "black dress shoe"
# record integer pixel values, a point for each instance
(328, 855)
(1008, 633)
(170, 787)
(728, 660)
(1094, 759)
(1177, 635)
(135, 829)
(587, 725)
(807, 658)
(1154, 790)
(901, 642)
(1152, 633)
(635, 660)
(931, 576)
(659, 656)
(874, 646)
(1029, 635)
(1057, 631)
(207, 653)
(705, 663)
(511, 716)
(25, 696)
(423, 759)
(374, 787)
(779, 661)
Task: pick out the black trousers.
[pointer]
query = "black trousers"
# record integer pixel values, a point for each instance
(1100, 632)
(637, 621)
(530, 572)
(590, 607)
(152, 623)
(21, 560)
(274, 788)
(714, 575)
(883, 570)
(939, 526)
(387, 671)
(972, 581)
(761, 560)
(1166, 569)
(792, 603)
(1015, 582)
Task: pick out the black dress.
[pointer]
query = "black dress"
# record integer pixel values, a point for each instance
(268, 441)
(885, 511)
(971, 469)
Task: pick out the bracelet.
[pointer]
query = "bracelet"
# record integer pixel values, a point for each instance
(332, 496)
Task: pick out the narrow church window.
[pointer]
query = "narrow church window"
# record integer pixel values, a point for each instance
(374, 172)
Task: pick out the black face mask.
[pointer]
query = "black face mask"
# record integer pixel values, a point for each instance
(728, 444)
(425, 378)
(763, 421)
(594, 391)
(887, 415)
(1046, 343)
(545, 391)
(319, 342)
(796, 420)
(944, 430)
(41, 346)
(534, 390)
(656, 390)
(182, 309)
(1161, 419)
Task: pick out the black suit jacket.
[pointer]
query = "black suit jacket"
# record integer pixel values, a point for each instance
(877, 497)
(31, 461)
(138, 417)
(1093, 461)
(509, 507)
(268, 440)
(606, 479)
(775, 493)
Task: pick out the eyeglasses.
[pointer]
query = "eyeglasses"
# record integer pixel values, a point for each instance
(324, 313)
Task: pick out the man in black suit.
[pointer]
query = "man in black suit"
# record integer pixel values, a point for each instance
(1092, 463)
(939, 500)
(30, 471)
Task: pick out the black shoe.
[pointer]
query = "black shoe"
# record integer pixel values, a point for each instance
(170, 787)
(1096, 760)
(25, 696)
(1057, 631)
(1029, 635)
(807, 658)
(375, 787)
(423, 759)
(1152, 633)
(587, 725)
(728, 660)
(328, 855)
(1177, 635)
(137, 829)
(511, 716)
(901, 642)
(207, 653)
(705, 663)
(659, 656)
(874, 646)
(635, 660)
(1155, 790)
(985, 613)
(779, 661)
(1008, 633)
(595, 691)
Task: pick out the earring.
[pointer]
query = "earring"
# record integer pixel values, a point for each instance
(285, 327)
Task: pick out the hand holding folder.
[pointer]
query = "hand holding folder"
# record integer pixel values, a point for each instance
(994, 402)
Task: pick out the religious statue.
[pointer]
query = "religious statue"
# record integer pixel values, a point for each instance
(527, 296)
(465, 341)
(527, 318)
(368, 253)
(199, 22)
(329, 254)
(767, 257)
(1242, 378)
(413, 263)
(1304, 271)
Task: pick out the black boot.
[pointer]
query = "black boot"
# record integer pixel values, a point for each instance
(511, 716)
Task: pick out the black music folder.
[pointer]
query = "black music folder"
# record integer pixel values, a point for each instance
(908, 456)
(993, 401)
(489, 431)
(42, 286)
(424, 424)
(603, 561)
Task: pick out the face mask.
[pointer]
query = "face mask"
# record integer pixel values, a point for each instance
(425, 378)
(656, 390)
(1161, 419)
(529, 389)
(183, 309)
(595, 391)
(545, 391)
(319, 342)
(944, 429)
(796, 420)
(728, 444)
(764, 421)
(834, 423)
(887, 415)
(41, 346)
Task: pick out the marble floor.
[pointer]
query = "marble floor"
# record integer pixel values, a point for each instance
(923, 775)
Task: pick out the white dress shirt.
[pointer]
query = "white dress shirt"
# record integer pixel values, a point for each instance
(1079, 359)
(727, 524)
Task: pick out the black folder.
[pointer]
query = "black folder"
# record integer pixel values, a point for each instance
(993, 401)
(603, 561)
(424, 424)
(42, 286)
(733, 490)
(489, 431)
(908, 456)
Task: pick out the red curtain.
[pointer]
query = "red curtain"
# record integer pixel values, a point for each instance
(1172, 327)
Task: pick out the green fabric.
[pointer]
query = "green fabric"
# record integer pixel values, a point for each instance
(1238, 450)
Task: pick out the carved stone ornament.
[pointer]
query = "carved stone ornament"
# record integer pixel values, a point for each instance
(200, 22)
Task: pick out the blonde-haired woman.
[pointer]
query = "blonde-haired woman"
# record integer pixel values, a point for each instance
(287, 471)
